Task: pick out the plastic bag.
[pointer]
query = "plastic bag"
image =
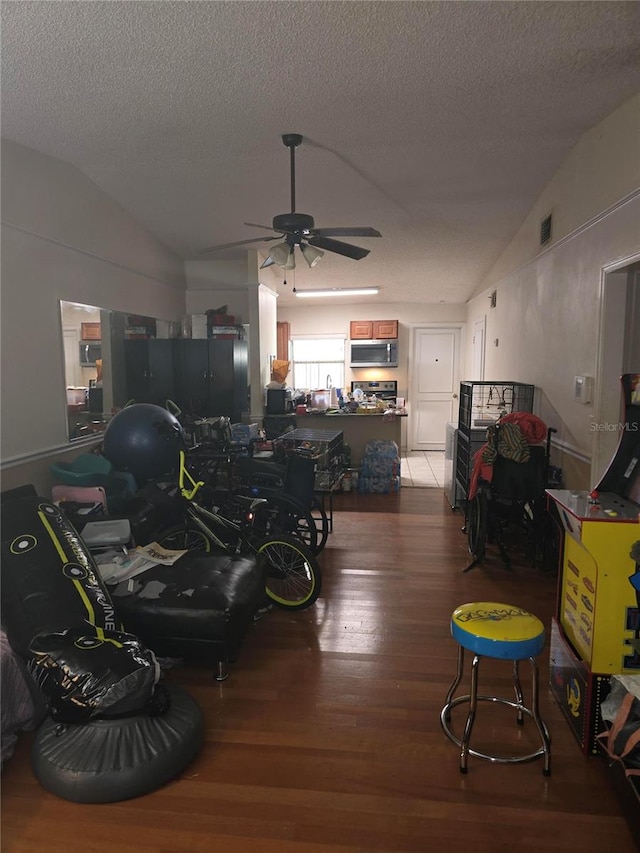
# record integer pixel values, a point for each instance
(86, 673)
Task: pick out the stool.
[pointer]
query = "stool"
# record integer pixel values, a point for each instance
(503, 631)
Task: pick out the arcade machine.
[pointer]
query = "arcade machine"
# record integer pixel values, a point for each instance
(597, 624)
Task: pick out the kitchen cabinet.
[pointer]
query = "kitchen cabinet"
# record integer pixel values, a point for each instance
(150, 370)
(361, 330)
(283, 334)
(366, 330)
(385, 329)
(212, 377)
(90, 331)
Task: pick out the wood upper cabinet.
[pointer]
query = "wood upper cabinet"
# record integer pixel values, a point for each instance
(361, 330)
(366, 330)
(385, 329)
(283, 332)
(90, 331)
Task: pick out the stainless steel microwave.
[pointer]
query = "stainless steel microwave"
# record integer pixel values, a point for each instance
(374, 353)
(89, 352)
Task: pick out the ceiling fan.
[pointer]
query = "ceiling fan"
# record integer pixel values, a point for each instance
(298, 229)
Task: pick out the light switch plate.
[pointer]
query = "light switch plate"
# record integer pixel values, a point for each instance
(582, 388)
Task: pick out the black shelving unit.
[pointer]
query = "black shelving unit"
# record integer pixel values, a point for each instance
(481, 405)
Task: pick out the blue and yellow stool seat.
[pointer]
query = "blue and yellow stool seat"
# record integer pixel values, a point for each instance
(506, 632)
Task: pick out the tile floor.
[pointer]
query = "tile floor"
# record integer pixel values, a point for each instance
(422, 469)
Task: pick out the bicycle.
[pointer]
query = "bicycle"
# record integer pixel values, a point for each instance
(293, 576)
(288, 489)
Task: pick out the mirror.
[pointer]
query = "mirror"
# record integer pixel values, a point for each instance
(94, 357)
(112, 358)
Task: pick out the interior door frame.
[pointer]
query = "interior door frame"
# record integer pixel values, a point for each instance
(460, 325)
(612, 355)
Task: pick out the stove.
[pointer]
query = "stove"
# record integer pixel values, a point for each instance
(384, 389)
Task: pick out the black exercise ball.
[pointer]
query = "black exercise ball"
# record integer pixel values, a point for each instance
(144, 439)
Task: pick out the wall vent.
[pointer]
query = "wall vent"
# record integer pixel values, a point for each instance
(545, 230)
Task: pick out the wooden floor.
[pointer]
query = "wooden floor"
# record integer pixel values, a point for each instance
(326, 737)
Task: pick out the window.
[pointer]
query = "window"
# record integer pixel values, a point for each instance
(318, 362)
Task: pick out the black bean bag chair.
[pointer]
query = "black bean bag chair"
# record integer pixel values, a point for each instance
(113, 731)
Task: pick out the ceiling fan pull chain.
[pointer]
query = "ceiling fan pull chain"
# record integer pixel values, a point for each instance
(284, 281)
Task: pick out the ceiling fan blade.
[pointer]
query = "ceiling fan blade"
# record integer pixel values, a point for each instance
(356, 253)
(257, 225)
(346, 232)
(236, 243)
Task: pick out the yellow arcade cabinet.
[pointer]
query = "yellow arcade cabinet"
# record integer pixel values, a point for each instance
(597, 618)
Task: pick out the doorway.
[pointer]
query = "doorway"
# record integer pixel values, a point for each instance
(434, 384)
(618, 353)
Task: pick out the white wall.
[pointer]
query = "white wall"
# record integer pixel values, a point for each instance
(62, 238)
(212, 284)
(549, 302)
(547, 320)
(602, 169)
(263, 307)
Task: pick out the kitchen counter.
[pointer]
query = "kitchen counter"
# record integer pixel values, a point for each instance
(357, 429)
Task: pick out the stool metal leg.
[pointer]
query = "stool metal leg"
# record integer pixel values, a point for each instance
(540, 724)
(471, 716)
(472, 699)
(446, 711)
(518, 691)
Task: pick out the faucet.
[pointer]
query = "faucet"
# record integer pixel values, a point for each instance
(329, 381)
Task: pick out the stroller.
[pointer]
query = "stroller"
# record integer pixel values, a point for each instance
(507, 490)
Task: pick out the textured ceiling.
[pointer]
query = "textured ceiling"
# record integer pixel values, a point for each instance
(438, 123)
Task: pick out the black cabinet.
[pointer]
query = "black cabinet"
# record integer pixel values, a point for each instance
(212, 377)
(205, 377)
(150, 370)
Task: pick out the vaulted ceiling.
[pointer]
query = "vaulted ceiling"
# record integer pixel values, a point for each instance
(437, 123)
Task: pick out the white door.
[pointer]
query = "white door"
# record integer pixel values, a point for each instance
(435, 382)
(73, 371)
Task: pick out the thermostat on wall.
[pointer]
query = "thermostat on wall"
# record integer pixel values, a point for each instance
(582, 388)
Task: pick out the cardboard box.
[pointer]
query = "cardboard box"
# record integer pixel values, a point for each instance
(199, 326)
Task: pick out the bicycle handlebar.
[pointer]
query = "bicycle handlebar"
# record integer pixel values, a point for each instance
(187, 493)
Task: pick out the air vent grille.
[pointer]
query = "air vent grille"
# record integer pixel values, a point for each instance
(545, 230)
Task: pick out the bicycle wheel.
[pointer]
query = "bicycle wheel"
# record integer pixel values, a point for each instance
(293, 574)
(477, 524)
(184, 537)
(285, 515)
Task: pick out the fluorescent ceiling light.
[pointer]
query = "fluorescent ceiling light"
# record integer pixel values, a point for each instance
(339, 291)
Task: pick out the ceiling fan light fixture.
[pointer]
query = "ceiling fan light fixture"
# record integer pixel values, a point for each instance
(339, 291)
(280, 254)
(311, 254)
